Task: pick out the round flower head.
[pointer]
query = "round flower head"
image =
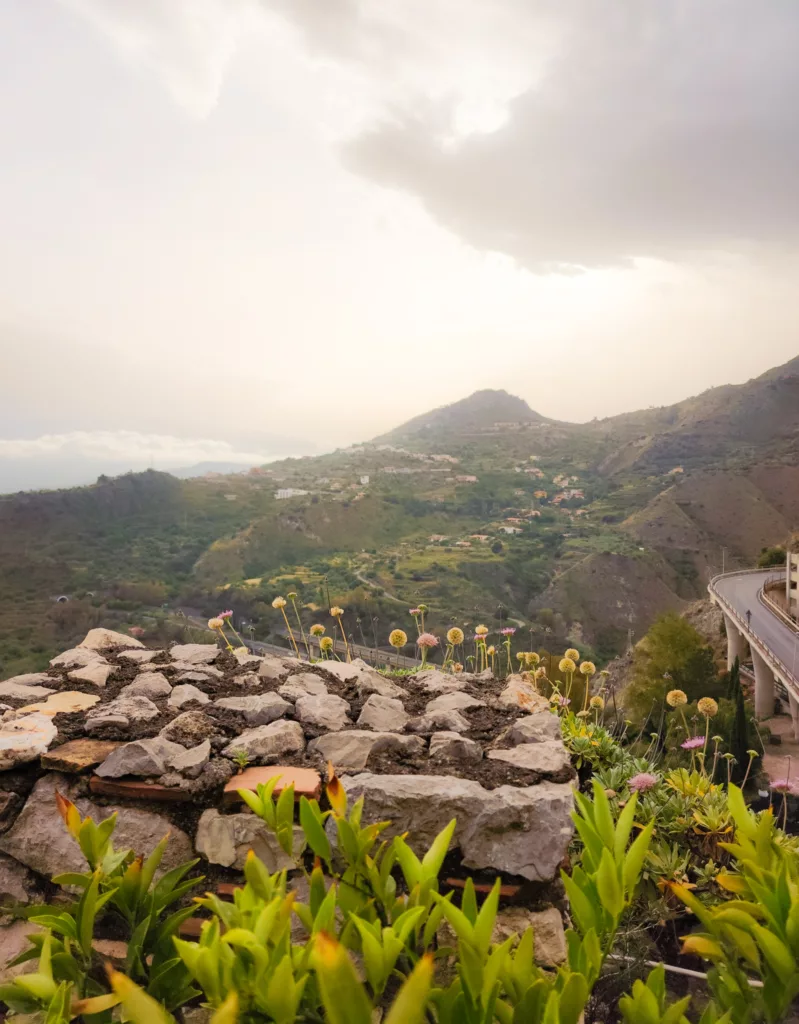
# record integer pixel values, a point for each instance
(491, 650)
(522, 656)
(674, 698)
(508, 631)
(597, 702)
(397, 638)
(427, 640)
(240, 650)
(540, 673)
(226, 614)
(572, 653)
(481, 630)
(336, 612)
(326, 643)
(457, 667)
(567, 665)
(582, 714)
(455, 636)
(694, 743)
(279, 602)
(782, 786)
(531, 658)
(292, 595)
(707, 706)
(422, 607)
(215, 623)
(414, 611)
(317, 629)
(642, 782)
(588, 668)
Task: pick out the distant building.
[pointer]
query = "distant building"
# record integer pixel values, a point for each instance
(436, 538)
(462, 544)
(540, 495)
(510, 529)
(365, 479)
(675, 471)
(465, 479)
(289, 492)
(792, 582)
(482, 537)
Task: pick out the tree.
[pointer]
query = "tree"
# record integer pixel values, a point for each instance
(739, 737)
(771, 557)
(672, 656)
(734, 684)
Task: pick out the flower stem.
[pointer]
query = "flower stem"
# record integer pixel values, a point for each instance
(291, 635)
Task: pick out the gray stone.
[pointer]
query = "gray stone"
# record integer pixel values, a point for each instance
(13, 941)
(191, 762)
(77, 657)
(40, 840)
(273, 669)
(342, 671)
(304, 684)
(103, 639)
(197, 1015)
(520, 831)
(31, 679)
(243, 657)
(267, 742)
(226, 839)
(14, 690)
(195, 654)
(375, 683)
(189, 729)
(323, 713)
(383, 714)
(16, 882)
(142, 657)
(142, 757)
(543, 756)
(257, 708)
(520, 693)
(122, 711)
(440, 721)
(549, 938)
(433, 681)
(350, 749)
(184, 694)
(247, 680)
(25, 739)
(456, 701)
(96, 673)
(192, 677)
(147, 684)
(451, 746)
(543, 725)
(193, 673)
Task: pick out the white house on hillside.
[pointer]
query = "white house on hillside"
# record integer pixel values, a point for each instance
(289, 492)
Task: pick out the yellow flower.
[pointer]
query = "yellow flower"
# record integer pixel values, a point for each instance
(279, 602)
(481, 630)
(583, 714)
(567, 665)
(326, 643)
(707, 707)
(596, 702)
(455, 636)
(215, 623)
(491, 650)
(675, 698)
(457, 667)
(573, 654)
(293, 595)
(588, 668)
(540, 673)
(397, 638)
(317, 629)
(336, 612)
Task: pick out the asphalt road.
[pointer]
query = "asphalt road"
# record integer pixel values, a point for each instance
(741, 593)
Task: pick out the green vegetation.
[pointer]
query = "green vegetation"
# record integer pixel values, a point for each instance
(772, 557)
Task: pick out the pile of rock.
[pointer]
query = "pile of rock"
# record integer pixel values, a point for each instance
(152, 731)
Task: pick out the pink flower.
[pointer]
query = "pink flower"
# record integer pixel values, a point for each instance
(427, 640)
(414, 611)
(783, 786)
(227, 614)
(693, 743)
(642, 782)
(508, 631)
(136, 631)
(561, 701)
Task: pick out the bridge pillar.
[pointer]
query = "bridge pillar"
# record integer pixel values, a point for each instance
(736, 643)
(764, 687)
(794, 703)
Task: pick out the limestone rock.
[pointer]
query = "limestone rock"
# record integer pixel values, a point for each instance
(103, 639)
(446, 721)
(77, 657)
(13, 941)
(189, 729)
(96, 673)
(16, 882)
(227, 838)
(258, 709)
(39, 839)
(243, 657)
(273, 669)
(341, 671)
(456, 701)
(549, 938)
(31, 679)
(142, 757)
(323, 713)
(433, 681)
(267, 742)
(523, 695)
(25, 739)
(139, 657)
(15, 690)
(121, 712)
(304, 684)
(184, 694)
(542, 725)
(78, 755)
(350, 749)
(65, 702)
(375, 683)
(147, 684)
(383, 714)
(520, 831)
(191, 762)
(192, 673)
(451, 746)
(248, 680)
(195, 654)
(543, 756)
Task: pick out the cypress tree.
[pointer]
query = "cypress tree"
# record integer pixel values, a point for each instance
(734, 682)
(739, 739)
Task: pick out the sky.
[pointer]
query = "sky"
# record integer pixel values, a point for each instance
(242, 229)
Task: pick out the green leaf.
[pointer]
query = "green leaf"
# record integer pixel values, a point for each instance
(409, 1006)
(434, 858)
(624, 827)
(314, 830)
(583, 909)
(634, 859)
(228, 1012)
(484, 925)
(140, 1008)
(608, 886)
(603, 816)
(469, 901)
(343, 997)
(776, 953)
(409, 863)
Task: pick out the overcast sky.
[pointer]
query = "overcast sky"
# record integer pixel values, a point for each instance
(236, 228)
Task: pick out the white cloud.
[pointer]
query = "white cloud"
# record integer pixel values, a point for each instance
(159, 450)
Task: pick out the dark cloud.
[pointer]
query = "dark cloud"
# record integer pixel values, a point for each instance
(660, 127)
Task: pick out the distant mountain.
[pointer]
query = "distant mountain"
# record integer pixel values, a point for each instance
(201, 468)
(480, 411)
